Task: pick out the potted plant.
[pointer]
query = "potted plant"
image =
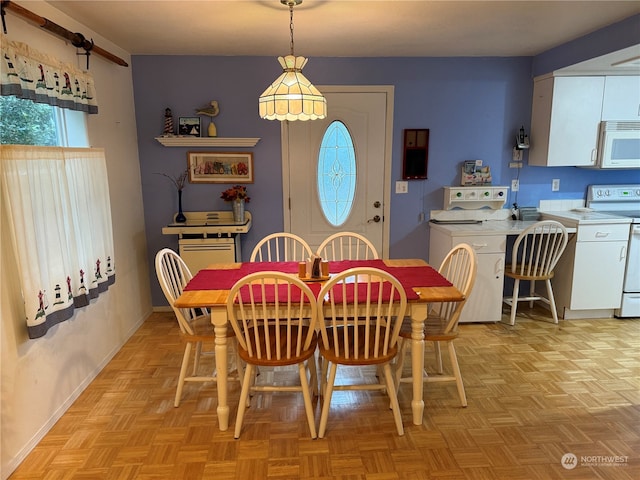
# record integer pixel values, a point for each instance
(237, 195)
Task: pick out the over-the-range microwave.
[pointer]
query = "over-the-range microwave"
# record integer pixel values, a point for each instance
(619, 145)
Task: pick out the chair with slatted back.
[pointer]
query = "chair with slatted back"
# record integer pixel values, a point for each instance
(195, 325)
(281, 247)
(460, 268)
(347, 246)
(273, 315)
(536, 252)
(360, 312)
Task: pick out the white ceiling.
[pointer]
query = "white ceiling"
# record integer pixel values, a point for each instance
(345, 28)
(349, 28)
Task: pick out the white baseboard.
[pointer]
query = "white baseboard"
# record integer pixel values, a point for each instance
(162, 309)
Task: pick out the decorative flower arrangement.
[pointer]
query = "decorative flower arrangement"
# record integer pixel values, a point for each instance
(179, 181)
(237, 192)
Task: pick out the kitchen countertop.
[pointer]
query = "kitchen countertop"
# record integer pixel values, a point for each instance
(488, 227)
(573, 218)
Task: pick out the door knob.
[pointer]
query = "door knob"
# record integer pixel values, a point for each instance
(374, 219)
(376, 204)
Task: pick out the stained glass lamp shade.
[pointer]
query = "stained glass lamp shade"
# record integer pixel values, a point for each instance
(291, 96)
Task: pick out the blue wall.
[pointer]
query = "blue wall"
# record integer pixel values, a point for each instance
(472, 106)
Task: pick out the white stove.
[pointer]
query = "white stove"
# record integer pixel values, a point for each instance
(623, 201)
(617, 200)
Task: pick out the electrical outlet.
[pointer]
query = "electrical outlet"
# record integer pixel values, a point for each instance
(555, 185)
(515, 185)
(402, 187)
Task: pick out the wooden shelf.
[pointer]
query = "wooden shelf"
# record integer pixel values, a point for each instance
(207, 142)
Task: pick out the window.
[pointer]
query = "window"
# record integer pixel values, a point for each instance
(24, 122)
(336, 174)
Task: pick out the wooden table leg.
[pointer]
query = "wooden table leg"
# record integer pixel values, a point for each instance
(219, 320)
(418, 316)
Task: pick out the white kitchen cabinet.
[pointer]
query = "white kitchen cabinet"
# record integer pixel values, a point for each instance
(485, 302)
(621, 98)
(590, 273)
(565, 116)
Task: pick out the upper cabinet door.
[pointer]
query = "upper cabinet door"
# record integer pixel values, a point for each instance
(621, 98)
(565, 116)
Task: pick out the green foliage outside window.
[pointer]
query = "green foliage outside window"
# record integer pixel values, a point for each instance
(24, 122)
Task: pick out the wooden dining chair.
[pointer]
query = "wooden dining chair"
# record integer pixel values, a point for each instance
(281, 247)
(536, 252)
(347, 246)
(195, 324)
(360, 313)
(441, 326)
(273, 315)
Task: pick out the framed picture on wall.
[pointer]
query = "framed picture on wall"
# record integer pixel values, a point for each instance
(189, 126)
(220, 167)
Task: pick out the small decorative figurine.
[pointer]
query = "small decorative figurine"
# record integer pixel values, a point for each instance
(211, 111)
(168, 123)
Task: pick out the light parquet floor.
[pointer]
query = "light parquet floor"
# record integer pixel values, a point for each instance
(536, 392)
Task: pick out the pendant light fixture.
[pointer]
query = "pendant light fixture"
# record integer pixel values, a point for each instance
(291, 96)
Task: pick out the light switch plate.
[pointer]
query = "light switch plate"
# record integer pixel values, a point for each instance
(402, 187)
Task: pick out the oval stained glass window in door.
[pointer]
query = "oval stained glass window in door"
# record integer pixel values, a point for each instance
(336, 174)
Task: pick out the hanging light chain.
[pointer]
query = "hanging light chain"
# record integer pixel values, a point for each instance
(291, 24)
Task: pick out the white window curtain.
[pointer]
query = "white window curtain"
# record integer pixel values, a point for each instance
(57, 209)
(29, 74)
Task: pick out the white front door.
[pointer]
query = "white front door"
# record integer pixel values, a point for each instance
(367, 112)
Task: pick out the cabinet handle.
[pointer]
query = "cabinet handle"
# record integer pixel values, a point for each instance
(602, 234)
(479, 245)
(499, 267)
(623, 253)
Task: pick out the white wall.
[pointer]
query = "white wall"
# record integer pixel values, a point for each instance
(41, 378)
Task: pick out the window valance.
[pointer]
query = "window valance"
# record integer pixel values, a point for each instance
(29, 74)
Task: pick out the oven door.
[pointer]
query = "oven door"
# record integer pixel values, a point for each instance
(632, 277)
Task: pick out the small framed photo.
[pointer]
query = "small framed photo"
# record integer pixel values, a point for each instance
(469, 167)
(220, 167)
(189, 126)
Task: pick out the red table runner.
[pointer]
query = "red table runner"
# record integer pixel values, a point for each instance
(409, 277)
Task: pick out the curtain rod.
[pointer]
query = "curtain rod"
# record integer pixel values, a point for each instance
(77, 39)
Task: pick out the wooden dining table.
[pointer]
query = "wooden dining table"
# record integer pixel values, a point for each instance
(210, 287)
